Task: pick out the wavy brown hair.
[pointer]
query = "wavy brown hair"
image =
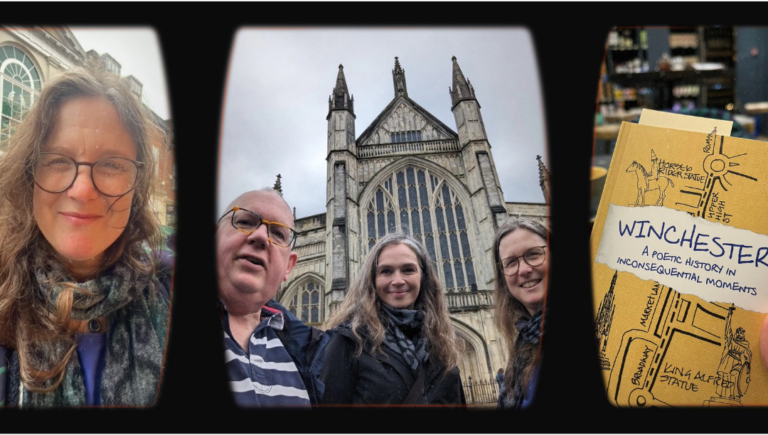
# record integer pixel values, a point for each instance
(362, 307)
(508, 310)
(27, 324)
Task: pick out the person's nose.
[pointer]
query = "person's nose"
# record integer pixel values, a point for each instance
(523, 268)
(260, 236)
(83, 189)
(397, 279)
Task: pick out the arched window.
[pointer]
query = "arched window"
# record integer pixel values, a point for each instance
(19, 87)
(381, 214)
(306, 302)
(433, 212)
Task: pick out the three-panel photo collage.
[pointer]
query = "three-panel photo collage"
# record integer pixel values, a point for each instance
(288, 228)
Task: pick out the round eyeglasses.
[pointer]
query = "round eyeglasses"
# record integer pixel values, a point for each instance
(111, 176)
(532, 257)
(247, 222)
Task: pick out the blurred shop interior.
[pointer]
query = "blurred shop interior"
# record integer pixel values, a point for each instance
(715, 72)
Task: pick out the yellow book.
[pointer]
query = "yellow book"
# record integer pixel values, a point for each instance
(680, 269)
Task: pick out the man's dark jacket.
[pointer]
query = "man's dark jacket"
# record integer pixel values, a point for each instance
(306, 346)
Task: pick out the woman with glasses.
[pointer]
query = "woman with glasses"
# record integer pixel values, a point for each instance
(393, 343)
(83, 319)
(520, 254)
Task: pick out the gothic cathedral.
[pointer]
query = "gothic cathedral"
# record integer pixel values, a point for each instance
(409, 171)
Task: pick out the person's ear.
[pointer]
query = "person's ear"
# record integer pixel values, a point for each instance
(292, 258)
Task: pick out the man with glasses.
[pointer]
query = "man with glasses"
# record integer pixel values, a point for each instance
(271, 356)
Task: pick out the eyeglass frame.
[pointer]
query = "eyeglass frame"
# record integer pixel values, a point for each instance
(77, 173)
(235, 208)
(501, 264)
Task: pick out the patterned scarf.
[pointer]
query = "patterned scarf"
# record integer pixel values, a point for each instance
(528, 335)
(403, 335)
(137, 326)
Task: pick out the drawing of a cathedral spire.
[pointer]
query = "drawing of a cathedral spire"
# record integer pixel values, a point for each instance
(603, 323)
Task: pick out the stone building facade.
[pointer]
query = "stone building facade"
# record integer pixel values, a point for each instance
(30, 56)
(409, 171)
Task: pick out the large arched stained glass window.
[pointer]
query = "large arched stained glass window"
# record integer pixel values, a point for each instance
(306, 302)
(413, 198)
(19, 86)
(381, 213)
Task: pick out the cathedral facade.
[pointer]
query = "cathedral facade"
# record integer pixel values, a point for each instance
(408, 171)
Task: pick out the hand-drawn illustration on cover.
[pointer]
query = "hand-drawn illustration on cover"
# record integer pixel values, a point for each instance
(649, 180)
(680, 269)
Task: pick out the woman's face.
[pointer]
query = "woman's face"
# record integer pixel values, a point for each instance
(398, 276)
(530, 283)
(81, 223)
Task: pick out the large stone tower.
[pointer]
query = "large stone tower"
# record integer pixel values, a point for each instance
(408, 171)
(341, 218)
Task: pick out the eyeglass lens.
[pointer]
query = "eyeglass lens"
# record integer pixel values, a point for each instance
(248, 222)
(533, 257)
(112, 176)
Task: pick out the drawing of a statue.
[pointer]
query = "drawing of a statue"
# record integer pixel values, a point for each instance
(735, 363)
(653, 174)
(649, 180)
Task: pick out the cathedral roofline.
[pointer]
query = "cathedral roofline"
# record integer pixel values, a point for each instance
(309, 224)
(306, 218)
(387, 110)
(526, 203)
(311, 216)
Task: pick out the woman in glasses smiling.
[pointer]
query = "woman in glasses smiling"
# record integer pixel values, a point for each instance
(520, 255)
(83, 319)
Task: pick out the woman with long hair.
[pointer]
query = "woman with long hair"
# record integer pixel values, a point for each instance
(393, 342)
(520, 255)
(83, 319)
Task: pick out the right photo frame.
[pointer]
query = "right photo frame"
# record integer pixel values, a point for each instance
(679, 241)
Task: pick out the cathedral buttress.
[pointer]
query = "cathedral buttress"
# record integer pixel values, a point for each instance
(342, 166)
(482, 179)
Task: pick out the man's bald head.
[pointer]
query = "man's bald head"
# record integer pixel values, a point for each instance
(259, 196)
(251, 266)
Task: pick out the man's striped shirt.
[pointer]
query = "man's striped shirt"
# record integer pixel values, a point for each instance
(265, 375)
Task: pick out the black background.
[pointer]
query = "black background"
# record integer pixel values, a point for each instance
(570, 42)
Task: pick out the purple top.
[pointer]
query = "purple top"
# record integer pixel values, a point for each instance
(528, 398)
(90, 352)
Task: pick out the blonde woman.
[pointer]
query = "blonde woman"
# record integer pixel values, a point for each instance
(83, 319)
(393, 342)
(520, 253)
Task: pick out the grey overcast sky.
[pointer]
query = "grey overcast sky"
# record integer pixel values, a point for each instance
(280, 80)
(138, 52)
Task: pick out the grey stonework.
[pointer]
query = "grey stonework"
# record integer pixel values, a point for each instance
(332, 246)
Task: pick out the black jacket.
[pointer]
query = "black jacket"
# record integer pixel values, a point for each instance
(381, 378)
(305, 345)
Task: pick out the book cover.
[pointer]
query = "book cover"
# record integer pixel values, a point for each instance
(680, 269)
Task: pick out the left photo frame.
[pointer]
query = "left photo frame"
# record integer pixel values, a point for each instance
(87, 217)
